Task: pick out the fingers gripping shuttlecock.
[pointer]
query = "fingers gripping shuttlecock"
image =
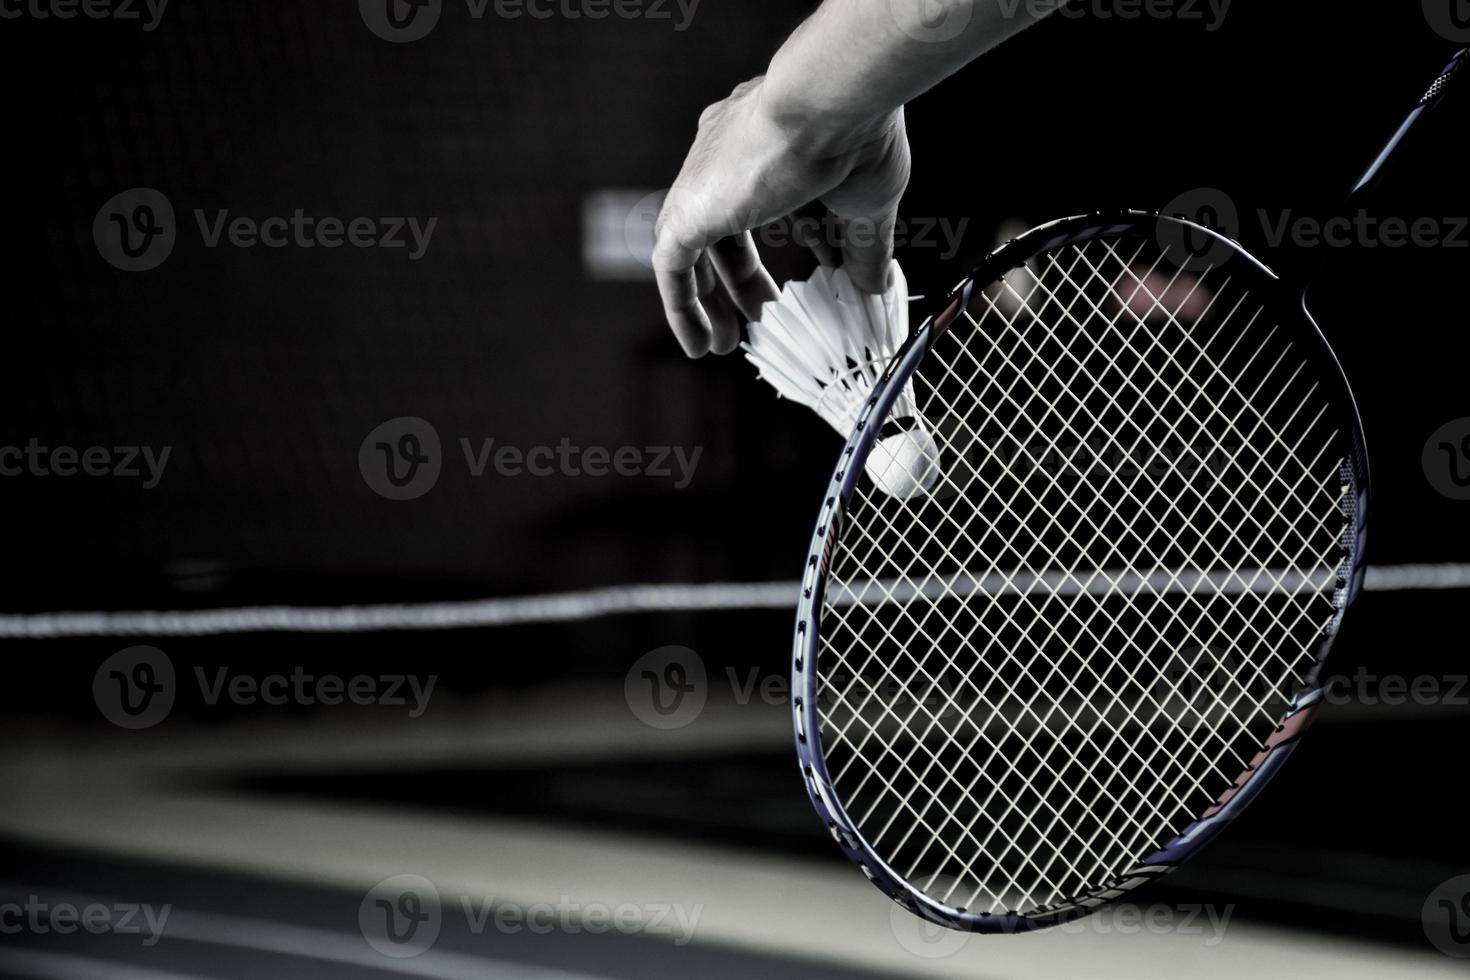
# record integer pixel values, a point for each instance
(825, 343)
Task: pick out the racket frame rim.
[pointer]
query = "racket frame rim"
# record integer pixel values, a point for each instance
(806, 723)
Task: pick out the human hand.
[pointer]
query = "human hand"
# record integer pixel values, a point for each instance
(752, 164)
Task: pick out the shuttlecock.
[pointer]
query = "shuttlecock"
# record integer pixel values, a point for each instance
(825, 343)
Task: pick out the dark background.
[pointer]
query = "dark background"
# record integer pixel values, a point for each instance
(265, 369)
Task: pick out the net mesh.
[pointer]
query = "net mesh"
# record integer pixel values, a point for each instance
(1043, 668)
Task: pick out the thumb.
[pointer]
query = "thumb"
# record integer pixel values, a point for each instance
(867, 251)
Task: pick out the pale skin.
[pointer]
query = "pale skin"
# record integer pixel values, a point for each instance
(824, 124)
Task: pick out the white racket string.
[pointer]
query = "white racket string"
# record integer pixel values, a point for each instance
(1042, 669)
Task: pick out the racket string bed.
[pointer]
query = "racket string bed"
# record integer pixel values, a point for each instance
(1070, 646)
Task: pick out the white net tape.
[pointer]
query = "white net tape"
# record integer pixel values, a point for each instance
(1041, 670)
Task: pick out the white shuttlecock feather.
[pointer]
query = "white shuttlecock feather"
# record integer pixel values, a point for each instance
(825, 343)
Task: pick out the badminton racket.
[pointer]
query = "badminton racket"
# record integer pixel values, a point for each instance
(1100, 631)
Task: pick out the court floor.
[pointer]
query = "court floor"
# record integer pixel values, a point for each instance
(267, 839)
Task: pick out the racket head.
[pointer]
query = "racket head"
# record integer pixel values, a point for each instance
(998, 869)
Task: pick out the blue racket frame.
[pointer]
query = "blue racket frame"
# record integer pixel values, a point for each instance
(1273, 753)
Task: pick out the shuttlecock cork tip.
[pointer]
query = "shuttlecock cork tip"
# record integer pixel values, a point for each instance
(904, 465)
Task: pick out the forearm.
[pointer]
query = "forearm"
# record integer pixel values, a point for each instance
(853, 63)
